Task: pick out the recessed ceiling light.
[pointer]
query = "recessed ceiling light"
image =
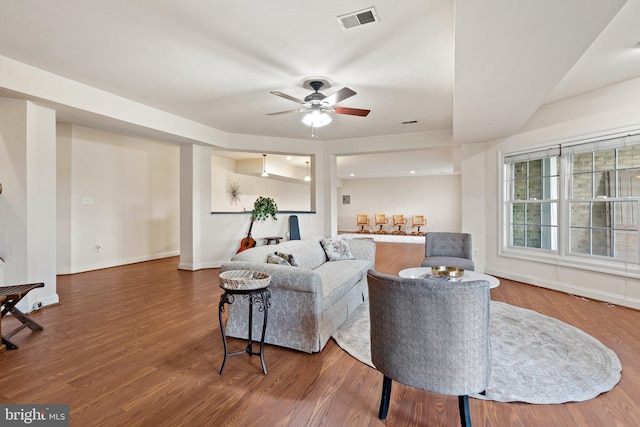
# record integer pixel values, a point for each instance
(412, 171)
(352, 174)
(289, 157)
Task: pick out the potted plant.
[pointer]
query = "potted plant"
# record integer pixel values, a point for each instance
(263, 208)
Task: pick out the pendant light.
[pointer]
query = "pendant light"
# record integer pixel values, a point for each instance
(264, 166)
(308, 177)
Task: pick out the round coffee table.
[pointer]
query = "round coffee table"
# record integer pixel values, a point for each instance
(418, 272)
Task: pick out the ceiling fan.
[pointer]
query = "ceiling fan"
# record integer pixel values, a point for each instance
(317, 105)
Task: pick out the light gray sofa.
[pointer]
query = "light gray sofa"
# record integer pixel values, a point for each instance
(308, 302)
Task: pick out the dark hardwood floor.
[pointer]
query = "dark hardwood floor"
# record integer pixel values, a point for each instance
(140, 345)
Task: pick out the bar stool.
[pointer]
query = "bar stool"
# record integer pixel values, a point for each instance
(418, 221)
(361, 221)
(399, 221)
(380, 220)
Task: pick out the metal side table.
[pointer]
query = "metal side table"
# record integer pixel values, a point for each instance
(252, 285)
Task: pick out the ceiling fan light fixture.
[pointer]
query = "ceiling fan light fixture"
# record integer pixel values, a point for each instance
(316, 119)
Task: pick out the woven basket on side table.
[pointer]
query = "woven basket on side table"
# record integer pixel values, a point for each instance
(244, 280)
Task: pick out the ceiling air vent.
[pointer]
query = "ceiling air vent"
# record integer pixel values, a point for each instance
(356, 19)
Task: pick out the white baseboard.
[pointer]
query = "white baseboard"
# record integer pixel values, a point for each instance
(27, 305)
(115, 263)
(612, 298)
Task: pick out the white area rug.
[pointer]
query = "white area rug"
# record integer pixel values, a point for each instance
(535, 358)
(393, 238)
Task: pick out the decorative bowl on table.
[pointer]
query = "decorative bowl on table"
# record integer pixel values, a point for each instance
(244, 280)
(445, 271)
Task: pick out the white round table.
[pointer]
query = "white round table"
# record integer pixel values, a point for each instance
(418, 272)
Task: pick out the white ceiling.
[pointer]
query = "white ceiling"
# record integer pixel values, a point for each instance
(478, 68)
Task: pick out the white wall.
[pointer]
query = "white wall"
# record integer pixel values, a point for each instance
(133, 187)
(474, 200)
(435, 197)
(613, 108)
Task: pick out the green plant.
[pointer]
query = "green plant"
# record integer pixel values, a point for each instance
(263, 208)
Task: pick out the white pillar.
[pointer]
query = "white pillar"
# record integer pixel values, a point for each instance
(327, 190)
(28, 200)
(195, 203)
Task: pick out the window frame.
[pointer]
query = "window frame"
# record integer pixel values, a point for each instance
(509, 197)
(562, 255)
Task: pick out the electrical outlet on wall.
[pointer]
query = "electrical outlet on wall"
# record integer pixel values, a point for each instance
(475, 252)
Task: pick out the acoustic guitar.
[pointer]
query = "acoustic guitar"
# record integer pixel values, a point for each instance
(247, 242)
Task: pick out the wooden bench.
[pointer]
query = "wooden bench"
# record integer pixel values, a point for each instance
(3, 348)
(12, 295)
(275, 240)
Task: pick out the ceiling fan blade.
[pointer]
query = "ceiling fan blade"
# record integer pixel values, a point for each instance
(289, 97)
(352, 111)
(338, 96)
(288, 111)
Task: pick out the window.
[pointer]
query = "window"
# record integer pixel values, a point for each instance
(532, 200)
(597, 186)
(604, 190)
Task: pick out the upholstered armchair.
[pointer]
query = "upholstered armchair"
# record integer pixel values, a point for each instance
(430, 335)
(450, 249)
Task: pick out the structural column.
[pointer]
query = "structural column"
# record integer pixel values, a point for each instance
(195, 203)
(327, 189)
(28, 199)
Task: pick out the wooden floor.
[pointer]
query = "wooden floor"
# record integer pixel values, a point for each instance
(140, 345)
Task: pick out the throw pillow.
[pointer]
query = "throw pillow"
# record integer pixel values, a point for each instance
(290, 258)
(275, 259)
(336, 249)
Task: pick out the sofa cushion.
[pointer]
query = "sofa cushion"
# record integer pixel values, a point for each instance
(255, 254)
(308, 252)
(336, 249)
(289, 258)
(340, 276)
(277, 259)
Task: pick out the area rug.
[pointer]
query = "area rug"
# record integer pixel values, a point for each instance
(535, 358)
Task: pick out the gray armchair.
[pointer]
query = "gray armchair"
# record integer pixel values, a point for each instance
(430, 335)
(450, 249)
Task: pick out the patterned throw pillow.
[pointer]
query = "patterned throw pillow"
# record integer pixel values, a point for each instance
(290, 258)
(336, 249)
(275, 259)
